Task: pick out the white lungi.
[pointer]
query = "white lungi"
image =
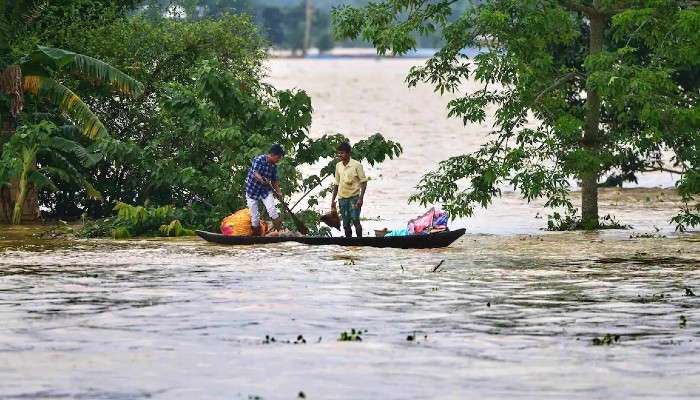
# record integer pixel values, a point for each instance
(269, 203)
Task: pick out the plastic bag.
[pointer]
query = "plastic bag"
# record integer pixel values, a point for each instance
(238, 224)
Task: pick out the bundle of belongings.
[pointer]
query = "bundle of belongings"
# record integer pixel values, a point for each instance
(432, 221)
(238, 224)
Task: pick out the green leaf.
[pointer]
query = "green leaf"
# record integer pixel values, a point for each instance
(87, 159)
(47, 59)
(91, 192)
(68, 102)
(41, 181)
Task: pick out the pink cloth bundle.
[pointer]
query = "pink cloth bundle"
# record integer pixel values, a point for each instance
(426, 221)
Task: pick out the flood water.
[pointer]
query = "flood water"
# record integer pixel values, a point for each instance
(511, 315)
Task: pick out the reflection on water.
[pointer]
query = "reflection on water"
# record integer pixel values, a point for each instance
(502, 317)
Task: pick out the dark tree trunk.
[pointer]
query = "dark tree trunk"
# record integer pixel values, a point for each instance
(591, 133)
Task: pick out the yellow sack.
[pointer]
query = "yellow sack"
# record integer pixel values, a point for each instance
(238, 224)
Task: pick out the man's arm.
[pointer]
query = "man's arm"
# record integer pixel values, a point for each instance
(335, 194)
(259, 177)
(278, 190)
(335, 187)
(363, 185)
(361, 199)
(275, 183)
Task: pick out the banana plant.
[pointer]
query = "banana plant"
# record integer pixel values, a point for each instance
(19, 158)
(38, 74)
(39, 68)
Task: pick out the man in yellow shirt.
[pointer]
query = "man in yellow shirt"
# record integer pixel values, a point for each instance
(350, 187)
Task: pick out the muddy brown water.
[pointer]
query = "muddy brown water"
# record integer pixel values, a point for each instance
(503, 317)
(511, 313)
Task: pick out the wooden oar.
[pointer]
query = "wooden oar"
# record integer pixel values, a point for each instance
(300, 225)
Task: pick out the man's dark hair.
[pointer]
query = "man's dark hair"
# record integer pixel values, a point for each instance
(345, 146)
(276, 150)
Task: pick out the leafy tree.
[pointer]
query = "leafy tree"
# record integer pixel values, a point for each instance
(37, 73)
(281, 24)
(272, 20)
(321, 31)
(581, 89)
(195, 9)
(24, 24)
(325, 43)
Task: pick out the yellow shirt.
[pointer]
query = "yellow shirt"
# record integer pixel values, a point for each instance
(349, 178)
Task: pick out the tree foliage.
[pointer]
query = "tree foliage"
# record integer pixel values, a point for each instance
(185, 142)
(284, 26)
(580, 89)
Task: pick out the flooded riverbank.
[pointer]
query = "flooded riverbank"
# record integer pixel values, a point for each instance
(511, 311)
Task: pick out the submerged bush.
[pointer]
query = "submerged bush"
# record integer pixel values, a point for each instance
(606, 340)
(571, 221)
(133, 221)
(355, 335)
(188, 142)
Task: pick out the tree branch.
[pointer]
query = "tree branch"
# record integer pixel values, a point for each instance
(557, 83)
(662, 169)
(310, 190)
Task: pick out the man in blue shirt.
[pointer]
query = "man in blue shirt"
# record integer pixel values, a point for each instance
(262, 178)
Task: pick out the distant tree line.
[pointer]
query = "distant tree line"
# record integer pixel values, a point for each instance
(284, 26)
(283, 22)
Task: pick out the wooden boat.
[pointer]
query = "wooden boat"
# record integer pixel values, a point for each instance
(435, 240)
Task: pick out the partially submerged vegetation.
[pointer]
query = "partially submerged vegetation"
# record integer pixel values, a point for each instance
(607, 340)
(571, 221)
(174, 157)
(354, 335)
(583, 91)
(138, 221)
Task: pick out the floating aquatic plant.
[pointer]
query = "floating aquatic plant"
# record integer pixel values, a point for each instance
(355, 335)
(606, 340)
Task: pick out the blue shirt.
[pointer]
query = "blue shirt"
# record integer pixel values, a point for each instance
(258, 190)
